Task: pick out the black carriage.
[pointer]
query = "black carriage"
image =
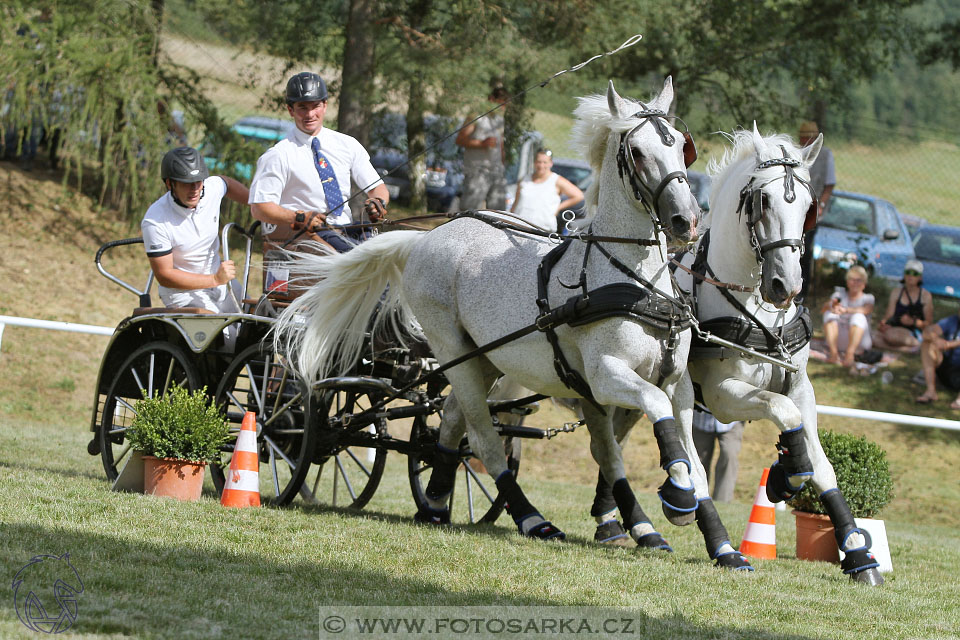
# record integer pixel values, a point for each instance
(321, 444)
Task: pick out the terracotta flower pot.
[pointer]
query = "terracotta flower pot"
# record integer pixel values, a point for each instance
(815, 539)
(178, 479)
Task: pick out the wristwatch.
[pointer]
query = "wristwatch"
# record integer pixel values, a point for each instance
(300, 218)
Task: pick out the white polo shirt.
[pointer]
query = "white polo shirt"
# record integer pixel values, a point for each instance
(191, 235)
(286, 173)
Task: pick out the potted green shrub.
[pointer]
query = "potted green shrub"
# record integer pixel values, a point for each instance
(863, 477)
(178, 433)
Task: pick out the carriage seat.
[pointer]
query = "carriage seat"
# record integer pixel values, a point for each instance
(144, 311)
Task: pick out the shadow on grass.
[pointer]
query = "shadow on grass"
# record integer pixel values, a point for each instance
(138, 588)
(67, 473)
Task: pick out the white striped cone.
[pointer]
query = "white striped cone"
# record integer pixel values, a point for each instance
(242, 488)
(760, 537)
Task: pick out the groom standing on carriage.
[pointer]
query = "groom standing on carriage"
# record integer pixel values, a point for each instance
(301, 182)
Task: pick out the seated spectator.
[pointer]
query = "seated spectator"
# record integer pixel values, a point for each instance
(909, 311)
(941, 359)
(707, 432)
(181, 234)
(846, 319)
(544, 195)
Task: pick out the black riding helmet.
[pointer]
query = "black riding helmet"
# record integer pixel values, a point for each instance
(306, 86)
(183, 164)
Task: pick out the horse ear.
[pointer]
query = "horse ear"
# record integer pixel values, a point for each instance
(614, 101)
(758, 144)
(665, 99)
(810, 152)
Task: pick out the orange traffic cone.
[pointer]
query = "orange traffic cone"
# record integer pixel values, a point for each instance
(760, 539)
(242, 488)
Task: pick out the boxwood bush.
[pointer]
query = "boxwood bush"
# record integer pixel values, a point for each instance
(180, 425)
(863, 476)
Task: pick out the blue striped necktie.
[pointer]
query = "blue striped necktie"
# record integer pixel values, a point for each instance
(331, 188)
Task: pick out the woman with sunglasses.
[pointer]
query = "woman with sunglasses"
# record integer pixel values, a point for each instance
(909, 310)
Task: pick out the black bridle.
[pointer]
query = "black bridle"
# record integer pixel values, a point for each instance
(650, 198)
(751, 204)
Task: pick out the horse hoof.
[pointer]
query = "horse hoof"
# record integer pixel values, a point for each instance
(654, 541)
(431, 516)
(778, 489)
(734, 561)
(611, 533)
(545, 531)
(678, 518)
(679, 505)
(871, 577)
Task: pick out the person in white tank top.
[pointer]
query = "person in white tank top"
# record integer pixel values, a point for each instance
(541, 197)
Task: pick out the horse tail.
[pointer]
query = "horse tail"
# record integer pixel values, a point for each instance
(323, 331)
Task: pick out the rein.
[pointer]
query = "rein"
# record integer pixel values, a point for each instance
(629, 42)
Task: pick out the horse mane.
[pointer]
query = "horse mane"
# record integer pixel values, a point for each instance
(731, 171)
(593, 124)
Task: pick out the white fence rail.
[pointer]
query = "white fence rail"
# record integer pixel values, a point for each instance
(53, 325)
(842, 412)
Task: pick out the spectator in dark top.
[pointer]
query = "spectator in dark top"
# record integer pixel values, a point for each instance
(941, 359)
(909, 311)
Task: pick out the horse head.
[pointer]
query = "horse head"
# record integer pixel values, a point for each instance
(638, 144)
(777, 205)
(653, 160)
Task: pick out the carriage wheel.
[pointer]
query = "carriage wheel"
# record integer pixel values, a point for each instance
(346, 470)
(154, 368)
(475, 497)
(258, 381)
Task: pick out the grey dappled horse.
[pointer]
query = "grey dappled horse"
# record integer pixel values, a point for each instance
(747, 263)
(468, 284)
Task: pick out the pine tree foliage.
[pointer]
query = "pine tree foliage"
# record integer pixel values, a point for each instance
(89, 70)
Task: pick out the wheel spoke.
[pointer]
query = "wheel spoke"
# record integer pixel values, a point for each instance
(126, 404)
(346, 480)
(136, 377)
(236, 403)
(153, 360)
(359, 463)
(280, 388)
(169, 380)
(273, 470)
(282, 410)
(274, 448)
(473, 474)
(253, 388)
(466, 477)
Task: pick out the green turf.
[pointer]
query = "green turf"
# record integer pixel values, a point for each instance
(157, 568)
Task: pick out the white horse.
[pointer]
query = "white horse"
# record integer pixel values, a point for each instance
(746, 273)
(468, 284)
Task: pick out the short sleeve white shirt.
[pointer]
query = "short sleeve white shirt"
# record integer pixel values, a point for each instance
(192, 236)
(287, 175)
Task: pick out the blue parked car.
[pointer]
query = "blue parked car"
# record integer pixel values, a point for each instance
(863, 229)
(938, 248)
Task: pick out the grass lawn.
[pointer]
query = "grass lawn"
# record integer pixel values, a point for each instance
(153, 567)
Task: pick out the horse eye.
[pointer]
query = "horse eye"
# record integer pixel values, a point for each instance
(637, 155)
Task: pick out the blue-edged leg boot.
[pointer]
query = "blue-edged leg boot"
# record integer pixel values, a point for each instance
(637, 521)
(715, 536)
(529, 521)
(437, 509)
(858, 562)
(604, 511)
(679, 503)
(792, 468)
